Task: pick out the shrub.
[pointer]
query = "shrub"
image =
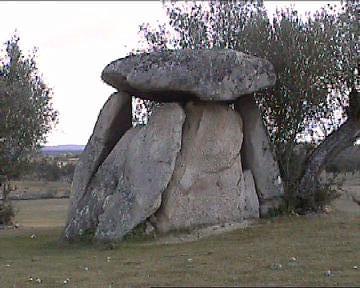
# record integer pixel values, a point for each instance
(6, 209)
(6, 213)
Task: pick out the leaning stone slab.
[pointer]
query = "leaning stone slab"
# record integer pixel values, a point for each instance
(258, 157)
(180, 75)
(208, 186)
(103, 184)
(147, 169)
(113, 121)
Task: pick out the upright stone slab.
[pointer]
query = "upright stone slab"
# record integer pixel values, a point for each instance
(207, 186)
(258, 157)
(147, 169)
(114, 120)
(251, 198)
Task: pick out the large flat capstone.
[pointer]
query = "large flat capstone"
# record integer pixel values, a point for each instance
(180, 75)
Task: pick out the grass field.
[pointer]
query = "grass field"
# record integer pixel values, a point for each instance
(32, 189)
(239, 258)
(41, 213)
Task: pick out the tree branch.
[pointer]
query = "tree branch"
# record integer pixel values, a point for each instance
(336, 142)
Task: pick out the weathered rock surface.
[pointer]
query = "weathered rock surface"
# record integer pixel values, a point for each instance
(103, 184)
(113, 121)
(258, 157)
(127, 186)
(207, 186)
(207, 74)
(251, 199)
(147, 169)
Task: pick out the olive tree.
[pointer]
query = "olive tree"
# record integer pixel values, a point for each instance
(26, 111)
(315, 59)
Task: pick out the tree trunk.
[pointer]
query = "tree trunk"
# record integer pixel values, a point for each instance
(336, 142)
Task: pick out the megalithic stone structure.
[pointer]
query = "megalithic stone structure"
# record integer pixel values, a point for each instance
(197, 162)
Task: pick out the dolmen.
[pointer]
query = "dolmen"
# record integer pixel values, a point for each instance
(204, 158)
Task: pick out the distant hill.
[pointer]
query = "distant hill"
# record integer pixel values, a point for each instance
(62, 149)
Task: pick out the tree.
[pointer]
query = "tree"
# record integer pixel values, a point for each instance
(316, 61)
(26, 112)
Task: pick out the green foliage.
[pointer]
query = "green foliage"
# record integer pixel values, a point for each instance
(325, 194)
(87, 236)
(138, 234)
(6, 213)
(6, 209)
(26, 112)
(51, 169)
(315, 59)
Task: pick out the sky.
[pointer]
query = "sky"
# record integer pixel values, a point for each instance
(76, 40)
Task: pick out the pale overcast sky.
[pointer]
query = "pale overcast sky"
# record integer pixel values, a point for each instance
(75, 41)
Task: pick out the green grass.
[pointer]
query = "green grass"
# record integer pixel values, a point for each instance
(237, 258)
(27, 189)
(41, 213)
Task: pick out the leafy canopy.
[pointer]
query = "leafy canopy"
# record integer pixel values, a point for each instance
(311, 56)
(26, 112)
(316, 60)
